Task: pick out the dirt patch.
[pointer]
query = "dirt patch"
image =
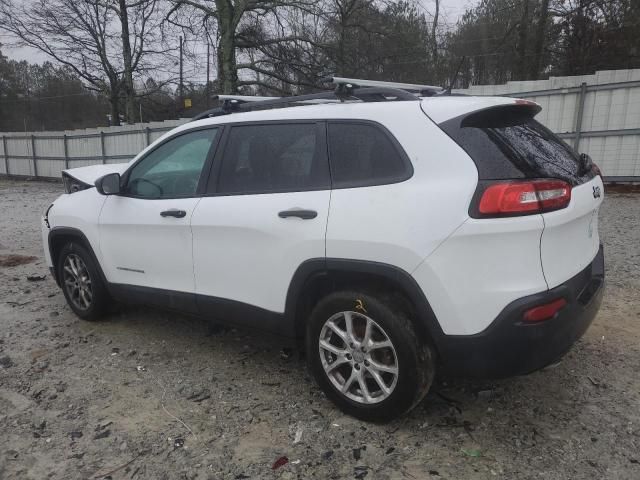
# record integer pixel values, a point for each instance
(13, 260)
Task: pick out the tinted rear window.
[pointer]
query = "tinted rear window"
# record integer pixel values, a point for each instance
(363, 154)
(507, 143)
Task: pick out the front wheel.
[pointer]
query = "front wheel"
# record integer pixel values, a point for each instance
(81, 282)
(366, 356)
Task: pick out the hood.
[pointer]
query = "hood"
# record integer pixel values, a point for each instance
(91, 173)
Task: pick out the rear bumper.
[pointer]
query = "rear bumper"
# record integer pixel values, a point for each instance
(509, 347)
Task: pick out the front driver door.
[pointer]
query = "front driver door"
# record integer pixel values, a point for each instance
(145, 232)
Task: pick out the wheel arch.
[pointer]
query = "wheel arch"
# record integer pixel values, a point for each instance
(59, 237)
(316, 278)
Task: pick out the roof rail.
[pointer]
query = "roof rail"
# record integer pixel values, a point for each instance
(243, 98)
(350, 83)
(241, 103)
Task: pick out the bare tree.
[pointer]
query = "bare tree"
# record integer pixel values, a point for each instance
(230, 18)
(104, 42)
(434, 33)
(523, 40)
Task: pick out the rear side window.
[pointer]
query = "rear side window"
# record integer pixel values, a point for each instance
(362, 154)
(507, 143)
(274, 158)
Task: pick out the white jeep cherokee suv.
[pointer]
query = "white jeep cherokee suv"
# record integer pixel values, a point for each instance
(396, 230)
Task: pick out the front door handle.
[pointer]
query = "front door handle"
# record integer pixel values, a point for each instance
(174, 213)
(303, 214)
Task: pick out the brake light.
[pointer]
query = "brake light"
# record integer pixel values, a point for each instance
(524, 197)
(544, 312)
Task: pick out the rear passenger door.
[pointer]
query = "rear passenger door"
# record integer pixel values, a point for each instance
(264, 214)
(370, 201)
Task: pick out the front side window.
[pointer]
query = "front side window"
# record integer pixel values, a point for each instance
(273, 158)
(363, 154)
(174, 168)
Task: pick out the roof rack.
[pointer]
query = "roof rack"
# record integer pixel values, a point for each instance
(346, 89)
(244, 98)
(241, 103)
(351, 83)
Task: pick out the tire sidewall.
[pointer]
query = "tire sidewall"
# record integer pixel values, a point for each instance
(409, 376)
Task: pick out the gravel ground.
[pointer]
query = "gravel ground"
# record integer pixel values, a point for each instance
(148, 394)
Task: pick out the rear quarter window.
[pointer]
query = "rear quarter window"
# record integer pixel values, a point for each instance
(507, 143)
(365, 154)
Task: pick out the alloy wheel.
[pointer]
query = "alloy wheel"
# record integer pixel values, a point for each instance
(358, 357)
(77, 282)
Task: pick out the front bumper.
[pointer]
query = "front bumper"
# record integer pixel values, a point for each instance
(510, 347)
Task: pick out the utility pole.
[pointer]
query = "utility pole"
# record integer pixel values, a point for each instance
(181, 86)
(208, 93)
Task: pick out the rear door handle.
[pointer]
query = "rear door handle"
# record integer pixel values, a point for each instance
(303, 214)
(174, 213)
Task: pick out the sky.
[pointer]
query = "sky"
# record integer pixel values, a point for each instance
(450, 12)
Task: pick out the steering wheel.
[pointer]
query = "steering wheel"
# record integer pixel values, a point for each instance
(133, 185)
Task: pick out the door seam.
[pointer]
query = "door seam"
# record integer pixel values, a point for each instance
(193, 259)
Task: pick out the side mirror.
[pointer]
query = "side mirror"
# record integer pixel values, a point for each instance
(109, 184)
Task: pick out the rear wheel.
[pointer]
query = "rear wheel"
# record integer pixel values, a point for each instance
(81, 283)
(365, 355)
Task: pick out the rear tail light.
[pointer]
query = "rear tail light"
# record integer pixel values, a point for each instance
(524, 197)
(544, 312)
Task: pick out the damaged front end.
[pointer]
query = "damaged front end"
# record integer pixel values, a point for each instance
(72, 184)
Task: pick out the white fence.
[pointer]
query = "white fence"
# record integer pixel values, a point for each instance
(46, 154)
(598, 114)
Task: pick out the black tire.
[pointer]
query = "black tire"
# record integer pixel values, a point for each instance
(415, 358)
(99, 304)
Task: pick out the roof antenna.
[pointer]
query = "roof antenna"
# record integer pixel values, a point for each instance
(447, 91)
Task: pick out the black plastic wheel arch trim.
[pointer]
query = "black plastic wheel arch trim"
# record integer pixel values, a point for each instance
(72, 234)
(427, 324)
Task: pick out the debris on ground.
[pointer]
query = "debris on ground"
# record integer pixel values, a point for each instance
(327, 455)
(286, 353)
(36, 278)
(199, 395)
(360, 471)
(102, 434)
(357, 452)
(298, 436)
(279, 463)
(472, 452)
(6, 362)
